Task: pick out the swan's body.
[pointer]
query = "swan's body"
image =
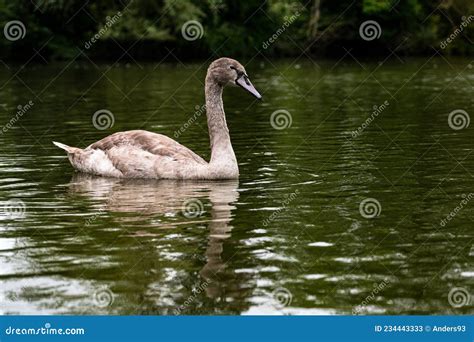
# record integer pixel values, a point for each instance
(143, 154)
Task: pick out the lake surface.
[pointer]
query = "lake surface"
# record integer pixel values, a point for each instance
(345, 211)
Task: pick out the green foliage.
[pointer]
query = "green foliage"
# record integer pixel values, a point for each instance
(59, 29)
(376, 6)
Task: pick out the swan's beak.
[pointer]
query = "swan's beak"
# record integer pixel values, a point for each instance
(245, 83)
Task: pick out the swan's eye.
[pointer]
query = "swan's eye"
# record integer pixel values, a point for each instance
(238, 72)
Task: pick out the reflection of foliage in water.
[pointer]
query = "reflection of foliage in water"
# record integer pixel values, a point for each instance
(320, 248)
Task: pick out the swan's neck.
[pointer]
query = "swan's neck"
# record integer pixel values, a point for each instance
(222, 154)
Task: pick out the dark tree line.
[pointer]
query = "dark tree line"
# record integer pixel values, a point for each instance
(151, 29)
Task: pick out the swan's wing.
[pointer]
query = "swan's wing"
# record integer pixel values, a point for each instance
(155, 144)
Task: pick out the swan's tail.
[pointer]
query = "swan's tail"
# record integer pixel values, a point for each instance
(65, 147)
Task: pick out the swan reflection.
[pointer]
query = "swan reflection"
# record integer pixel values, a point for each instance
(140, 199)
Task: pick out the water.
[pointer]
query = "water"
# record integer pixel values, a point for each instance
(288, 237)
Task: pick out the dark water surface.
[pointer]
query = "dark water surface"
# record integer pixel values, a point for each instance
(325, 218)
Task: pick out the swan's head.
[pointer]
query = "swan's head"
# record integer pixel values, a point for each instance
(227, 71)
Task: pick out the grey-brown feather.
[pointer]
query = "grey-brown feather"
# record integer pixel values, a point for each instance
(157, 144)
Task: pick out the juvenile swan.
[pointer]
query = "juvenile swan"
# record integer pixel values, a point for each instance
(143, 154)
